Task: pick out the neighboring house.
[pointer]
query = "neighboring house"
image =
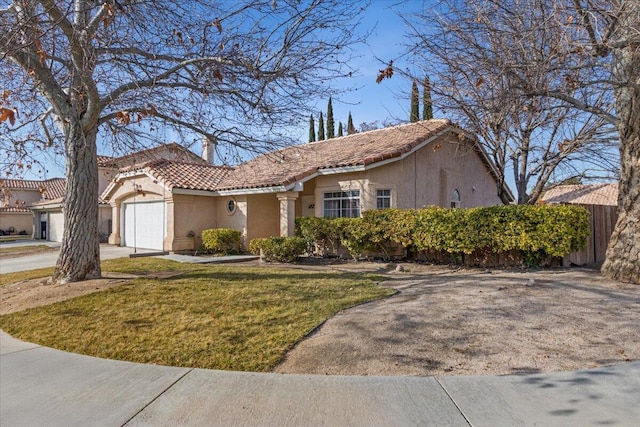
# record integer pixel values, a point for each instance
(165, 204)
(18, 198)
(37, 206)
(601, 201)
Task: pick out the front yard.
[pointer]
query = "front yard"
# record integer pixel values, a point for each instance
(231, 317)
(441, 321)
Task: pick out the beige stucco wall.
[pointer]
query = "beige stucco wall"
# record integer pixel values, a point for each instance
(192, 214)
(236, 220)
(424, 178)
(105, 175)
(18, 220)
(263, 216)
(18, 198)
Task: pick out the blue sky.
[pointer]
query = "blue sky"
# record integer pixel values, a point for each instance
(389, 100)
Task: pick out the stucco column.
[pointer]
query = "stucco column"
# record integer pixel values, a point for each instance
(114, 237)
(170, 228)
(287, 212)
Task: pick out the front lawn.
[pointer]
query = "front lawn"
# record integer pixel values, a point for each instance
(222, 317)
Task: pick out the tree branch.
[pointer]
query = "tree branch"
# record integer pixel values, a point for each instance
(150, 82)
(58, 17)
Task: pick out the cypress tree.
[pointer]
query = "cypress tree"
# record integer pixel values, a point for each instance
(312, 129)
(320, 128)
(350, 128)
(339, 128)
(427, 108)
(415, 104)
(330, 122)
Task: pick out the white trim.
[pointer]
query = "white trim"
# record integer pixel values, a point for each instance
(47, 207)
(259, 190)
(340, 169)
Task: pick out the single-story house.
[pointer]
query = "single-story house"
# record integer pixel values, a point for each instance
(601, 201)
(165, 204)
(18, 198)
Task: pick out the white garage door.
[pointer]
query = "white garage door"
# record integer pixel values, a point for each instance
(144, 225)
(56, 226)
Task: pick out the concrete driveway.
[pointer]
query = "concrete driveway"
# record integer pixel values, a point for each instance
(48, 259)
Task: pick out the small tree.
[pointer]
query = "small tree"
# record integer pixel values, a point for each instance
(320, 128)
(312, 129)
(330, 123)
(415, 106)
(427, 108)
(351, 129)
(340, 129)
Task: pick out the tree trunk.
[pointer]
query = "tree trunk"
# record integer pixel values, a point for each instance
(623, 254)
(80, 251)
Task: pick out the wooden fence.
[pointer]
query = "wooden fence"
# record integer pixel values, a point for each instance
(603, 220)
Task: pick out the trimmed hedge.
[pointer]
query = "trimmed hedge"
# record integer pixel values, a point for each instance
(538, 233)
(222, 240)
(281, 249)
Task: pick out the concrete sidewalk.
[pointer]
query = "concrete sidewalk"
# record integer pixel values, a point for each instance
(42, 386)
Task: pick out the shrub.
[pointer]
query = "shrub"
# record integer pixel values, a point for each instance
(352, 235)
(320, 234)
(255, 245)
(538, 233)
(222, 240)
(281, 249)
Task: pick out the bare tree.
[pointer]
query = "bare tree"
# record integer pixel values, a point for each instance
(604, 35)
(587, 56)
(235, 72)
(472, 48)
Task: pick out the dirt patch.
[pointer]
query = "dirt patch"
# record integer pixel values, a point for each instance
(38, 292)
(475, 322)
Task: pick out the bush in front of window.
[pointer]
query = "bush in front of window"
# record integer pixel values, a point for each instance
(320, 234)
(535, 234)
(222, 241)
(279, 249)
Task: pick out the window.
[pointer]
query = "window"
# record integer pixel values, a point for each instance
(455, 199)
(383, 199)
(342, 204)
(231, 206)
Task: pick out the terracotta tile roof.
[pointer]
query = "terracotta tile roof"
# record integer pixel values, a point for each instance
(178, 152)
(294, 163)
(15, 210)
(192, 176)
(54, 188)
(104, 160)
(597, 194)
(48, 188)
(20, 184)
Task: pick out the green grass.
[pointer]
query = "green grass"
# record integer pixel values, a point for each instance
(239, 318)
